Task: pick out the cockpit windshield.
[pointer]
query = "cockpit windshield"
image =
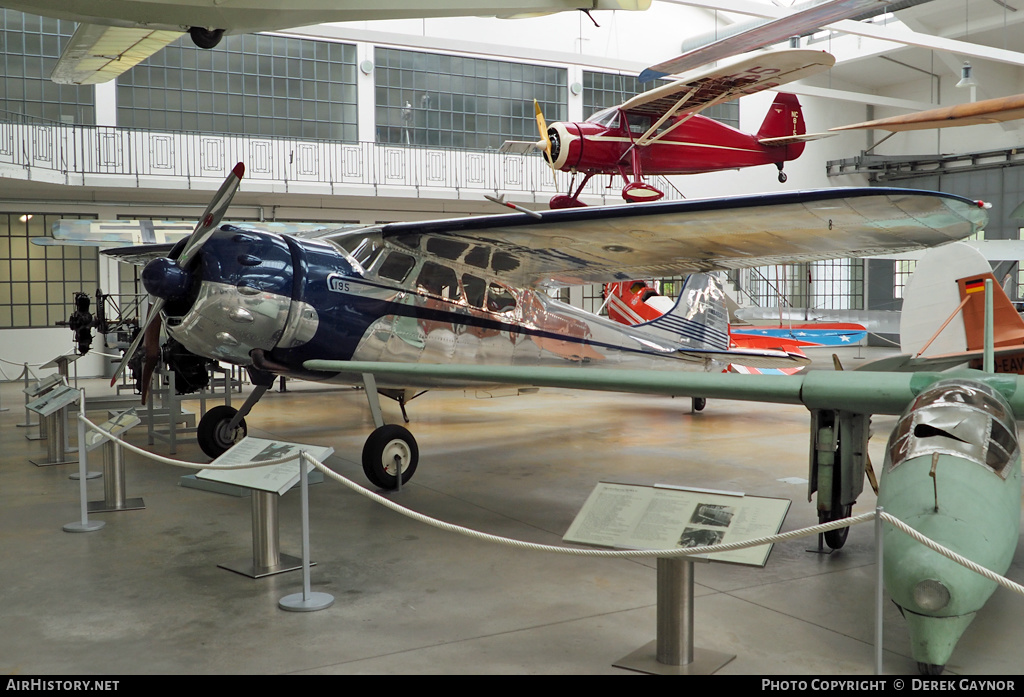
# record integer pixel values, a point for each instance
(609, 118)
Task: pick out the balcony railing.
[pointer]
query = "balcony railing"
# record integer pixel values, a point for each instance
(92, 155)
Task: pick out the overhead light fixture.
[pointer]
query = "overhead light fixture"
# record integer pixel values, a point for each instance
(967, 76)
(25, 218)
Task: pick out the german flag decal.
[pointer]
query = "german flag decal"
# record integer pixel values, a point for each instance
(975, 286)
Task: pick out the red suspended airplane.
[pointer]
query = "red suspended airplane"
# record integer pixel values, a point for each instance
(661, 132)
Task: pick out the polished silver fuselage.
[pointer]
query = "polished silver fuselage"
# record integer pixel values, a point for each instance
(272, 302)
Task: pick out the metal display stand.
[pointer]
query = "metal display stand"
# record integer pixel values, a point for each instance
(61, 363)
(673, 652)
(53, 413)
(268, 484)
(114, 498)
(32, 393)
(660, 517)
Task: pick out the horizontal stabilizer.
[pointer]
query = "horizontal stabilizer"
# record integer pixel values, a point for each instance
(789, 140)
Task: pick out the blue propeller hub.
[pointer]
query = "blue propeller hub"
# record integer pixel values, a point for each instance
(163, 278)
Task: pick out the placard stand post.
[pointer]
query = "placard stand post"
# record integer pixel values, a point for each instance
(267, 485)
(673, 653)
(52, 409)
(114, 498)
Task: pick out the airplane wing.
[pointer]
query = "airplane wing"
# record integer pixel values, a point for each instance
(742, 76)
(763, 34)
(98, 53)
(651, 240)
(855, 391)
(140, 241)
(970, 114)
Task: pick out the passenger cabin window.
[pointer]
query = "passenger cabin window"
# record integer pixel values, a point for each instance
(396, 267)
(475, 289)
(438, 280)
(499, 299)
(638, 124)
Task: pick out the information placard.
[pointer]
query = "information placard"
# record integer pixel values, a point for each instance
(54, 400)
(273, 478)
(628, 516)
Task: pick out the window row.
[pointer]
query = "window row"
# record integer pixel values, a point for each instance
(37, 283)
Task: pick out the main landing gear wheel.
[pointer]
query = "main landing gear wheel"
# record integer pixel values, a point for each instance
(835, 539)
(213, 435)
(380, 452)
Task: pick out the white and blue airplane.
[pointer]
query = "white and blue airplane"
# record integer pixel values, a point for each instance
(473, 290)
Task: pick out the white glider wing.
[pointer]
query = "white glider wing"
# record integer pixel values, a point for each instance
(98, 53)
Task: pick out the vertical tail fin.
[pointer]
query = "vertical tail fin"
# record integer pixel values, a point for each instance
(945, 278)
(699, 318)
(784, 118)
(1008, 325)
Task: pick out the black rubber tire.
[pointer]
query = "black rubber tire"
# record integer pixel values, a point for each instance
(930, 668)
(379, 452)
(835, 539)
(782, 177)
(212, 432)
(699, 403)
(205, 38)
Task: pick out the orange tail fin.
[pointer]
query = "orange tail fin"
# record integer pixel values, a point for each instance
(1008, 325)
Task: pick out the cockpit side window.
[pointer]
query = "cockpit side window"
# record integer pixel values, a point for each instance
(638, 123)
(367, 252)
(396, 267)
(500, 299)
(438, 280)
(475, 289)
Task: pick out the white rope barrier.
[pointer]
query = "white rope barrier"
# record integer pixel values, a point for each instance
(574, 551)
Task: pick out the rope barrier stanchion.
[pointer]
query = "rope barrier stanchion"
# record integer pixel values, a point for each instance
(307, 601)
(83, 525)
(879, 588)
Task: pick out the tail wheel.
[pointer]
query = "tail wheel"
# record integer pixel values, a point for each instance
(699, 403)
(390, 450)
(213, 434)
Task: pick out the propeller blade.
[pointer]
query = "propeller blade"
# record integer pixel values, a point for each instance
(212, 216)
(542, 126)
(200, 234)
(154, 313)
(152, 356)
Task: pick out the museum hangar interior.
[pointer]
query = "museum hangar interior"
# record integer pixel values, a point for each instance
(400, 121)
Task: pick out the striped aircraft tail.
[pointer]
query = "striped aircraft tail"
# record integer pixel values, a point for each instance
(699, 319)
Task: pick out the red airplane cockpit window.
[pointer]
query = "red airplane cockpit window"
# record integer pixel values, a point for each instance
(500, 299)
(396, 267)
(609, 118)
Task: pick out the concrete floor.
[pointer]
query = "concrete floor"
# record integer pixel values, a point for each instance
(144, 594)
